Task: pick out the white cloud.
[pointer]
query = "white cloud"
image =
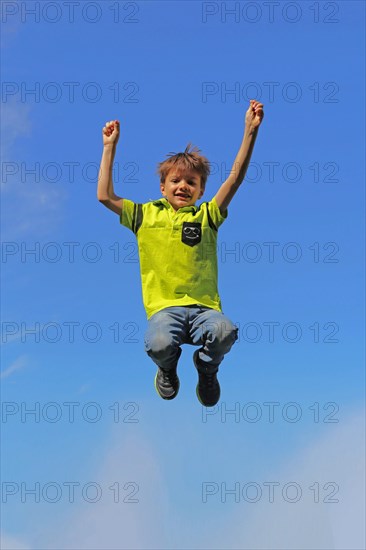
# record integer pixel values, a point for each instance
(18, 364)
(84, 388)
(10, 543)
(338, 458)
(29, 208)
(15, 123)
(118, 525)
(11, 24)
(32, 212)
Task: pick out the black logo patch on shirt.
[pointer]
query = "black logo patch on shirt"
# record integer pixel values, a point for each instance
(191, 233)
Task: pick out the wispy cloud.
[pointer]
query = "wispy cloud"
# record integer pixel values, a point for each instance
(11, 543)
(84, 388)
(121, 525)
(15, 124)
(11, 24)
(18, 364)
(311, 523)
(154, 522)
(32, 212)
(28, 210)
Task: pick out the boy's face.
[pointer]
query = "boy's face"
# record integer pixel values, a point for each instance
(182, 187)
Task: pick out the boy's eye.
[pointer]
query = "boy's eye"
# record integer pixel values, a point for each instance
(190, 182)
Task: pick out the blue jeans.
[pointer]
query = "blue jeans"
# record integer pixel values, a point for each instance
(197, 325)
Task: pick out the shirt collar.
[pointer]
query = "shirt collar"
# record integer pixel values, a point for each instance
(166, 204)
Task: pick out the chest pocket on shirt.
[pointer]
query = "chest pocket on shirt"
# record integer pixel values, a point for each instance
(191, 233)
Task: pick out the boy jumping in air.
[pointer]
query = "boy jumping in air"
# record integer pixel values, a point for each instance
(177, 243)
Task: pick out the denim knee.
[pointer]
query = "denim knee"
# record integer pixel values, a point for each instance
(222, 334)
(228, 336)
(160, 345)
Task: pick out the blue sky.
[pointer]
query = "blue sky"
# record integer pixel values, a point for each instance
(291, 275)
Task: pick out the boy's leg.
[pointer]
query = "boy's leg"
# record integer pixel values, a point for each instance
(166, 332)
(216, 333)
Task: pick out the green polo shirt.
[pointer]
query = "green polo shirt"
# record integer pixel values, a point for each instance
(177, 251)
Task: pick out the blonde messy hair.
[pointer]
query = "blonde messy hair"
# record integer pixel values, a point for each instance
(188, 160)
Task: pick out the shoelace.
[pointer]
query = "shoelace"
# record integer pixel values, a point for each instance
(209, 380)
(169, 377)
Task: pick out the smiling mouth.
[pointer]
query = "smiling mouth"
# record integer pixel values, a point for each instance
(181, 196)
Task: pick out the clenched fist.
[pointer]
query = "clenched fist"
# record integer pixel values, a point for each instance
(254, 114)
(111, 132)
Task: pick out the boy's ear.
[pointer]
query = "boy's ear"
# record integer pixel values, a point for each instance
(162, 188)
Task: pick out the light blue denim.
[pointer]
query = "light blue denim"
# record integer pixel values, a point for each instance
(196, 325)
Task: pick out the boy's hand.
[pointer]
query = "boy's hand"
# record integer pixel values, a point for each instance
(111, 132)
(254, 114)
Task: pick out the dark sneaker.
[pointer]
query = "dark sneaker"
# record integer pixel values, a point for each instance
(167, 383)
(208, 387)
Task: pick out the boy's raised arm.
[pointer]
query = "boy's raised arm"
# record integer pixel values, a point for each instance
(105, 191)
(253, 119)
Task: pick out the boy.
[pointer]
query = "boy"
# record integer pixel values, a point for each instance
(178, 259)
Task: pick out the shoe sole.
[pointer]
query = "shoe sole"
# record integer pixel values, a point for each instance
(206, 404)
(199, 397)
(163, 396)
